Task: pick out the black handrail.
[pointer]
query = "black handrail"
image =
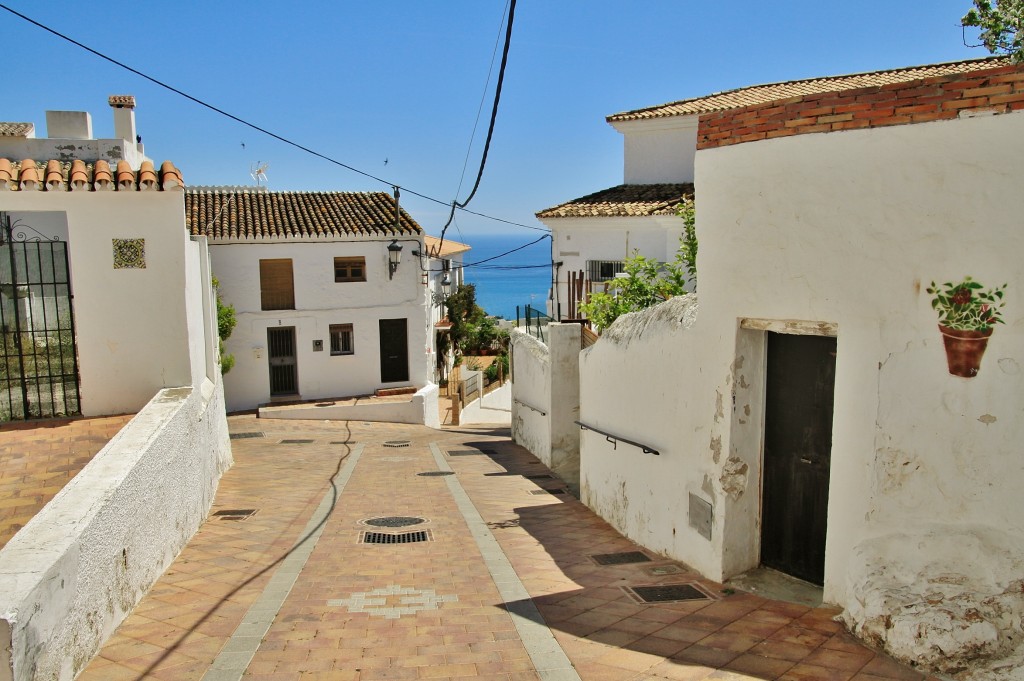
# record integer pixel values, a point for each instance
(519, 401)
(615, 439)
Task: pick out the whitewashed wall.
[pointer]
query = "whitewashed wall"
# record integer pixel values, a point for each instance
(531, 385)
(132, 325)
(842, 229)
(659, 150)
(76, 570)
(320, 302)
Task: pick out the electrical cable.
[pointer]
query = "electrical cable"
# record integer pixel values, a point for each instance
(257, 128)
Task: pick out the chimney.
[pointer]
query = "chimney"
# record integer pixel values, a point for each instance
(124, 117)
(69, 125)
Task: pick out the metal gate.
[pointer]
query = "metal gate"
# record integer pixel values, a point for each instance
(283, 371)
(38, 358)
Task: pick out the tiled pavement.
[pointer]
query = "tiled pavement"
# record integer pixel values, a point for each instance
(454, 606)
(37, 458)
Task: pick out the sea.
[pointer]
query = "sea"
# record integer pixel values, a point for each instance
(517, 279)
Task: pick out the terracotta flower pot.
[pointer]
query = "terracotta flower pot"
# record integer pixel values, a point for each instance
(964, 350)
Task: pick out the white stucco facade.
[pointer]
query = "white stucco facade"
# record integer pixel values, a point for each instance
(319, 303)
(659, 150)
(835, 235)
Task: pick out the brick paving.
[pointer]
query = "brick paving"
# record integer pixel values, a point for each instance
(432, 609)
(37, 458)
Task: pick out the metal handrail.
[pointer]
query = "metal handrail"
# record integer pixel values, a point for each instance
(614, 439)
(518, 401)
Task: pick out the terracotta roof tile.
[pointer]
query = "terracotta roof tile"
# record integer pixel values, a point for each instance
(762, 94)
(623, 201)
(78, 175)
(436, 249)
(233, 214)
(16, 129)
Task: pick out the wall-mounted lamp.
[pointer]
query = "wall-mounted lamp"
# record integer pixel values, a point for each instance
(394, 257)
(446, 285)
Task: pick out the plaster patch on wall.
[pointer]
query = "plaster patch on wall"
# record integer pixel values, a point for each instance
(734, 478)
(894, 468)
(129, 254)
(987, 419)
(707, 487)
(719, 407)
(716, 448)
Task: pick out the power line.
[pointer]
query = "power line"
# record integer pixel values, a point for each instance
(257, 128)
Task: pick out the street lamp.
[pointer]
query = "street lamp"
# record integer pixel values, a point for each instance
(446, 285)
(394, 256)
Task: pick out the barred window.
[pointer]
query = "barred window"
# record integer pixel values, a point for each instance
(603, 270)
(341, 339)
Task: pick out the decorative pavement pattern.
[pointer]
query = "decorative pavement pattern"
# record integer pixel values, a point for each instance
(506, 587)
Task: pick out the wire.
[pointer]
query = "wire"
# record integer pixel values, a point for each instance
(257, 128)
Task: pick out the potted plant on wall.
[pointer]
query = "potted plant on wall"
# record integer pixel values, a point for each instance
(968, 313)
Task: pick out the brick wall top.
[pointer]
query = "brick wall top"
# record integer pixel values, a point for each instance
(999, 90)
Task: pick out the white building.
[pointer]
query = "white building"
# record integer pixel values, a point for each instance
(322, 312)
(810, 416)
(107, 308)
(444, 275)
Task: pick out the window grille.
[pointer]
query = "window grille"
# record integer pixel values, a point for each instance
(341, 339)
(603, 270)
(350, 269)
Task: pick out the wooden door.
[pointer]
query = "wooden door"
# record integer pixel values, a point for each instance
(797, 452)
(284, 378)
(394, 351)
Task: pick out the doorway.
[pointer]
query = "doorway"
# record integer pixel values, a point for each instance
(284, 378)
(799, 397)
(394, 351)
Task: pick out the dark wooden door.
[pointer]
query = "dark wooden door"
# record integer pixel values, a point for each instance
(797, 452)
(284, 378)
(394, 351)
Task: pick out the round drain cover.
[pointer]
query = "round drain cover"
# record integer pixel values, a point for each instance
(396, 443)
(394, 521)
(435, 474)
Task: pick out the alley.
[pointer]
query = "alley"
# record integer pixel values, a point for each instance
(352, 550)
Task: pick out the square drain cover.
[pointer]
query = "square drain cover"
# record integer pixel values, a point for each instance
(667, 593)
(244, 436)
(465, 452)
(296, 442)
(393, 538)
(621, 558)
(548, 491)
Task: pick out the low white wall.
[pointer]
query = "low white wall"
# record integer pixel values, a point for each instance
(421, 408)
(531, 385)
(72, 574)
(493, 408)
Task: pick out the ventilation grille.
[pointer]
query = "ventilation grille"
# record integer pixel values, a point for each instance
(296, 442)
(235, 513)
(389, 538)
(435, 474)
(620, 558)
(395, 444)
(465, 452)
(667, 593)
(244, 436)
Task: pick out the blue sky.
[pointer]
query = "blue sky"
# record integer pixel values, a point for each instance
(368, 81)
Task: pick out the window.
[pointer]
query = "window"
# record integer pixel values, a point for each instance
(277, 288)
(341, 339)
(350, 269)
(603, 270)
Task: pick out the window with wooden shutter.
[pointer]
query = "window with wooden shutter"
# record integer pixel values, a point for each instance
(350, 269)
(277, 286)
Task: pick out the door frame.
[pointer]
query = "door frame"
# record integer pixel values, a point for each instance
(742, 535)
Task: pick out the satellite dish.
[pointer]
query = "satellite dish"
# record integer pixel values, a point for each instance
(258, 172)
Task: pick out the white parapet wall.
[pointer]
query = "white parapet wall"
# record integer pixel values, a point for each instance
(75, 571)
(531, 394)
(420, 408)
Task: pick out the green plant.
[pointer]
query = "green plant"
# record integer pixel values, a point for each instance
(491, 372)
(968, 305)
(686, 256)
(646, 283)
(1001, 25)
(226, 322)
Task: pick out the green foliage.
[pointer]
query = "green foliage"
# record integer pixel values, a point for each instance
(647, 283)
(686, 256)
(967, 305)
(1001, 26)
(491, 372)
(226, 322)
(473, 332)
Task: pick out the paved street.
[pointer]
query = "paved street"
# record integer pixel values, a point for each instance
(473, 571)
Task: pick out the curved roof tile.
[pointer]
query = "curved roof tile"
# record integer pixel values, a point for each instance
(625, 200)
(78, 175)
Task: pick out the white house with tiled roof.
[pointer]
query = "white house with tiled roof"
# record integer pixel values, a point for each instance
(815, 415)
(106, 308)
(323, 310)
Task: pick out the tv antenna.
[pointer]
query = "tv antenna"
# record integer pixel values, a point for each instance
(258, 172)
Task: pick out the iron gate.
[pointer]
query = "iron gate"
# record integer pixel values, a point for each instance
(38, 359)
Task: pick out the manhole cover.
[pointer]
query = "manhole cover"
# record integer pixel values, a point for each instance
(244, 436)
(394, 521)
(388, 538)
(548, 491)
(620, 558)
(235, 513)
(435, 474)
(296, 442)
(396, 443)
(667, 593)
(539, 477)
(465, 452)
